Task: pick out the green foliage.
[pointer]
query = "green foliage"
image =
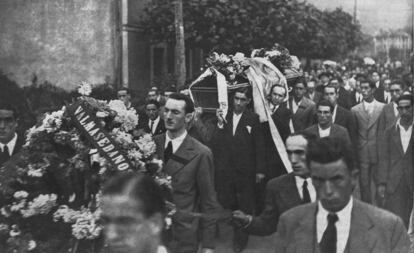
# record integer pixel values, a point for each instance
(234, 25)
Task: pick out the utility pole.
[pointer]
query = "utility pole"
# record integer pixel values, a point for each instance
(180, 70)
(355, 11)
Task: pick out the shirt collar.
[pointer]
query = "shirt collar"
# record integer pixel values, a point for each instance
(178, 139)
(10, 145)
(342, 214)
(156, 120)
(398, 125)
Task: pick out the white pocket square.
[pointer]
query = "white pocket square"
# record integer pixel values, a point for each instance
(249, 129)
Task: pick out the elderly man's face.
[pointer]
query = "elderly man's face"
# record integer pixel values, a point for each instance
(405, 109)
(126, 229)
(8, 125)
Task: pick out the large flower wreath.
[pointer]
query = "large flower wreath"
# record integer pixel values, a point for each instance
(49, 192)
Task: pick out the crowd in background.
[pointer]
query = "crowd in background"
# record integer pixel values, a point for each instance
(366, 108)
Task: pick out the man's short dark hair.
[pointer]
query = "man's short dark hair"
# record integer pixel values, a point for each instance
(325, 102)
(370, 82)
(405, 97)
(329, 149)
(398, 82)
(138, 187)
(9, 107)
(330, 86)
(337, 78)
(245, 90)
(124, 89)
(189, 104)
(152, 102)
(170, 89)
(153, 88)
(301, 80)
(278, 85)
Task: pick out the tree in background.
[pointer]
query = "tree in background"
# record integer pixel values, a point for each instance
(241, 25)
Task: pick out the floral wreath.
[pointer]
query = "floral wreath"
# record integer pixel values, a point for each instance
(278, 55)
(231, 66)
(50, 191)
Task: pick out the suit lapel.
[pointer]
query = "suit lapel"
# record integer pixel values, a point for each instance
(290, 196)
(363, 114)
(306, 231)
(397, 140)
(375, 114)
(362, 236)
(242, 123)
(184, 154)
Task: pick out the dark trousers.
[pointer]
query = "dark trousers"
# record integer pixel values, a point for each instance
(235, 191)
(400, 202)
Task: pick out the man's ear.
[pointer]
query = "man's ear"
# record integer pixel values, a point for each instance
(354, 177)
(156, 223)
(189, 117)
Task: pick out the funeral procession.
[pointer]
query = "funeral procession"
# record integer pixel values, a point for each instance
(206, 126)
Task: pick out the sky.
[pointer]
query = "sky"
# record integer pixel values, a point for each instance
(374, 14)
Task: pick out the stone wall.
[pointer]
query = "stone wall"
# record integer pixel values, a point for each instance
(63, 42)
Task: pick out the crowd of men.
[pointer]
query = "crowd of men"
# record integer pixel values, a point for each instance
(349, 142)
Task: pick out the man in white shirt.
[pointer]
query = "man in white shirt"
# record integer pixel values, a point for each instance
(191, 166)
(338, 223)
(395, 174)
(282, 193)
(10, 142)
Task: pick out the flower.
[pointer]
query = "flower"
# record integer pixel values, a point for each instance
(85, 89)
(86, 225)
(20, 195)
(15, 231)
(147, 145)
(42, 204)
(239, 57)
(32, 245)
(128, 118)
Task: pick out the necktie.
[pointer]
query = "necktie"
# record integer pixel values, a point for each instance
(305, 192)
(152, 126)
(6, 152)
(168, 152)
(328, 242)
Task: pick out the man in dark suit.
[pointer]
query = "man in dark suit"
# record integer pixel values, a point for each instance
(389, 114)
(344, 97)
(325, 127)
(395, 175)
(340, 115)
(311, 93)
(153, 125)
(282, 193)
(366, 116)
(191, 166)
(10, 141)
(379, 88)
(303, 109)
(337, 222)
(281, 117)
(239, 154)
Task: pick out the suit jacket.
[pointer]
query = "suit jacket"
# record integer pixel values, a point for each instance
(192, 170)
(353, 99)
(303, 117)
(344, 98)
(344, 118)
(387, 118)
(372, 230)
(379, 94)
(337, 132)
(395, 170)
(281, 195)
(243, 152)
(19, 143)
(317, 96)
(160, 129)
(274, 164)
(367, 131)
